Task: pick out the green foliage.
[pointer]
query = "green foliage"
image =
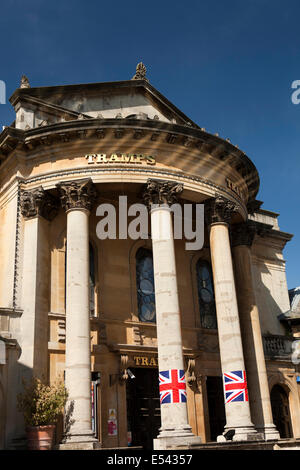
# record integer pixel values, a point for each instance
(41, 404)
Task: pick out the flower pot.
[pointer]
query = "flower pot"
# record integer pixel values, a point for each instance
(40, 437)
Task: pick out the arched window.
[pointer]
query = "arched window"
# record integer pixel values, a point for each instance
(206, 294)
(145, 285)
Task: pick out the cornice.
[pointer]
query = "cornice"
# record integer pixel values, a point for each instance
(167, 133)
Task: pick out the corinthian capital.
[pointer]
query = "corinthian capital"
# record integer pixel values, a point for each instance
(219, 209)
(38, 202)
(161, 192)
(80, 194)
(243, 234)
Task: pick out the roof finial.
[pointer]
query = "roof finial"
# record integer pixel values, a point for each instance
(24, 82)
(140, 73)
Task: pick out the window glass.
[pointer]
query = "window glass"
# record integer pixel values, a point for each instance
(145, 285)
(206, 295)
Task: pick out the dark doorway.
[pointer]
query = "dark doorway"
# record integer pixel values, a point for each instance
(143, 407)
(281, 411)
(216, 408)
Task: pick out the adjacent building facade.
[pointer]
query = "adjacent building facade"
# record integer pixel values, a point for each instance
(109, 316)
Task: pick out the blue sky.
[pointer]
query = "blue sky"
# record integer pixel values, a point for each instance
(228, 65)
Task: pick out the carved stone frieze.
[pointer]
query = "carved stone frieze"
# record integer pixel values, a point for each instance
(38, 202)
(80, 194)
(161, 192)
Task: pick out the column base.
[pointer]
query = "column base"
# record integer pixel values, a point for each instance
(247, 433)
(80, 446)
(270, 432)
(80, 437)
(175, 438)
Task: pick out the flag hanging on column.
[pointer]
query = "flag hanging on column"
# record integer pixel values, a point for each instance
(172, 388)
(235, 386)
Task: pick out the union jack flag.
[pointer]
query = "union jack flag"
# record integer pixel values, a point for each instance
(235, 386)
(172, 387)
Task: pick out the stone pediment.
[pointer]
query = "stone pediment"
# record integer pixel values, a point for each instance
(131, 99)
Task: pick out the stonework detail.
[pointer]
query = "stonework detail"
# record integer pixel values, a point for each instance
(161, 192)
(191, 377)
(38, 202)
(123, 367)
(219, 209)
(79, 194)
(24, 82)
(140, 73)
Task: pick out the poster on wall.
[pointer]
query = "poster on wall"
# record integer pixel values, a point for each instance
(112, 423)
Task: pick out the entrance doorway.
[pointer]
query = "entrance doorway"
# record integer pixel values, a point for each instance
(216, 408)
(143, 407)
(281, 411)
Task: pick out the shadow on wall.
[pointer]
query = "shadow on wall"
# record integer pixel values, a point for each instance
(268, 308)
(12, 425)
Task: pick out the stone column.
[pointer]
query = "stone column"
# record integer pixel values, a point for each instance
(238, 420)
(242, 238)
(38, 208)
(77, 198)
(175, 429)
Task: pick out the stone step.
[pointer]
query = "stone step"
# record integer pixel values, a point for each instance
(18, 444)
(280, 444)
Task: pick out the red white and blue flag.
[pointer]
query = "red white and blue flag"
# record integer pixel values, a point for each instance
(235, 386)
(172, 388)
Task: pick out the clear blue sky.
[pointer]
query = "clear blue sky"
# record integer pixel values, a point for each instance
(228, 65)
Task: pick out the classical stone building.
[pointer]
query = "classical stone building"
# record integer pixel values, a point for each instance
(106, 315)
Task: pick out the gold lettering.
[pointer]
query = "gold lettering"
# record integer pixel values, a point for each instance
(144, 361)
(125, 158)
(90, 158)
(137, 360)
(136, 158)
(234, 187)
(113, 158)
(152, 362)
(101, 158)
(150, 160)
(122, 158)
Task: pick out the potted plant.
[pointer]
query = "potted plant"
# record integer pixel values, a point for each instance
(41, 405)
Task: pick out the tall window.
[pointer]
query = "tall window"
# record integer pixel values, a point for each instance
(145, 285)
(206, 294)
